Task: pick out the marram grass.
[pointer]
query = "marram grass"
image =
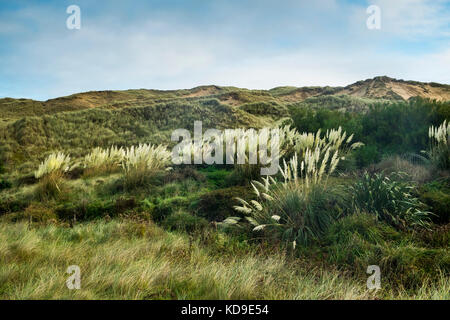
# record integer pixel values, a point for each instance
(130, 260)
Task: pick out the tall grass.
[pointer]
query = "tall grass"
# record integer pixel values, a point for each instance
(50, 173)
(440, 145)
(100, 160)
(142, 162)
(130, 260)
(299, 209)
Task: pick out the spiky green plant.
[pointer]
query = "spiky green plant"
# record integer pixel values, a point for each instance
(391, 201)
(142, 162)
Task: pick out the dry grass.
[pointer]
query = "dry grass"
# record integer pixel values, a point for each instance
(130, 260)
(415, 172)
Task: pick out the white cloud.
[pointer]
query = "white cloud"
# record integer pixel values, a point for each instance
(161, 52)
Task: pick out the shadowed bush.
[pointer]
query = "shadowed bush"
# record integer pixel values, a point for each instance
(186, 222)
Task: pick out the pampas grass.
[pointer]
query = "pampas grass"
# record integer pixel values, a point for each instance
(100, 161)
(50, 173)
(142, 162)
(440, 145)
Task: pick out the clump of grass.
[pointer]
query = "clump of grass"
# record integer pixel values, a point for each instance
(391, 201)
(414, 172)
(143, 162)
(51, 173)
(299, 209)
(100, 160)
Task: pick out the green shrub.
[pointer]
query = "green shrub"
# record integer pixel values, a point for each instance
(436, 195)
(354, 241)
(94, 208)
(85, 210)
(359, 240)
(407, 265)
(186, 222)
(35, 213)
(390, 200)
(12, 205)
(365, 225)
(5, 184)
(215, 176)
(367, 155)
(163, 208)
(218, 204)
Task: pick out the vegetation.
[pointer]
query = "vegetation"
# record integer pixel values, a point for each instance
(390, 200)
(50, 173)
(86, 181)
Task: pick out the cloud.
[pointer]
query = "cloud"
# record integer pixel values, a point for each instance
(225, 43)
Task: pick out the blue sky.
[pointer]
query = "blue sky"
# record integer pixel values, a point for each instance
(172, 44)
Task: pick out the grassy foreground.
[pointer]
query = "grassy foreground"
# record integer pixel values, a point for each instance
(126, 259)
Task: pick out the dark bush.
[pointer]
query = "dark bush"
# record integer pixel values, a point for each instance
(184, 173)
(436, 195)
(165, 207)
(5, 184)
(27, 180)
(218, 204)
(86, 210)
(186, 222)
(366, 155)
(12, 205)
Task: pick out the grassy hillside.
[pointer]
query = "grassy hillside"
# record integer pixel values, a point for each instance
(31, 129)
(141, 230)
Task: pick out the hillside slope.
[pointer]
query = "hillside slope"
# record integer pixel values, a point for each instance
(30, 129)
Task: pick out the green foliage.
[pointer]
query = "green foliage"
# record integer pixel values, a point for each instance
(351, 240)
(312, 119)
(5, 184)
(163, 208)
(359, 240)
(217, 205)
(35, 213)
(263, 108)
(400, 127)
(390, 200)
(436, 195)
(218, 177)
(94, 208)
(367, 155)
(334, 102)
(185, 222)
(385, 128)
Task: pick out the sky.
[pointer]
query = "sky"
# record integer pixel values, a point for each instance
(257, 44)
